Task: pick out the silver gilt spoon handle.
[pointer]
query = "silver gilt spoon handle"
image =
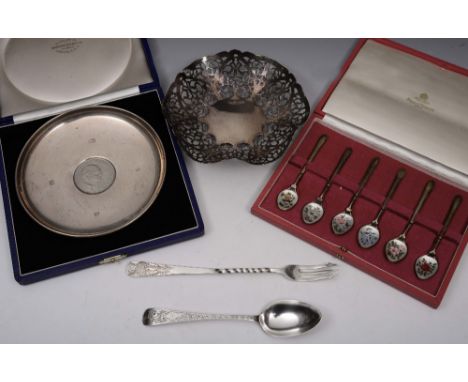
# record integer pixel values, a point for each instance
(153, 317)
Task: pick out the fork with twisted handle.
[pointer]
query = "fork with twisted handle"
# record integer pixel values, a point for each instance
(292, 272)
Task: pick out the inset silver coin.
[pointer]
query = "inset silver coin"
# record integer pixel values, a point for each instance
(94, 175)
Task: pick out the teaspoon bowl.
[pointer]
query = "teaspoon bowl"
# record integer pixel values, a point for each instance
(368, 236)
(287, 199)
(312, 212)
(396, 250)
(342, 223)
(288, 318)
(426, 266)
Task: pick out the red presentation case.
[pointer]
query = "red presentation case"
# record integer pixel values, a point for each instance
(421, 108)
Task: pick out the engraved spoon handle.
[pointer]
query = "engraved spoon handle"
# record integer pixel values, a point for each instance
(344, 157)
(370, 170)
(425, 194)
(147, 269)
(154, 316)
(320, 142)
(448, 219)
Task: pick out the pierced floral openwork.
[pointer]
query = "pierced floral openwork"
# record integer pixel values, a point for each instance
(235, 105)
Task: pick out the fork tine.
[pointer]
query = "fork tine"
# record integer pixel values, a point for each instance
(328, 266)
(318, 273)
(316, 277)
(306, 269)
(313, 279)
(314, 272)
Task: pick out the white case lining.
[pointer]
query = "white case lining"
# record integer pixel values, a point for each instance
(407, 107)
(14, 103)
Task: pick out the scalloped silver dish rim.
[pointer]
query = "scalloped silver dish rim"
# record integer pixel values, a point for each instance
(193, 65)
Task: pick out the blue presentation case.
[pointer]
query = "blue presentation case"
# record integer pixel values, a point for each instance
(38, 253)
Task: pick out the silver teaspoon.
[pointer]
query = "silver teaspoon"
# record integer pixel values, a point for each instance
(369, 234)
(344, 221)
(282, 318)
(427, 265)
(396, 249)
(288, 198)
(312, 212)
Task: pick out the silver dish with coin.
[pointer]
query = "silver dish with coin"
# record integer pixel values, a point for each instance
(90, 171)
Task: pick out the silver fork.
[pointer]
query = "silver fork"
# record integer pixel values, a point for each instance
(292, 272)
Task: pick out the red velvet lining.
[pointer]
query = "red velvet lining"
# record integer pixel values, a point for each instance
(421, 236)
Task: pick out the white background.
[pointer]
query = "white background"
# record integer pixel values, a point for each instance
(102, 304)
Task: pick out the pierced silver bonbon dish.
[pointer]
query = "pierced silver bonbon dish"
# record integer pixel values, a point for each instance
(235, 105)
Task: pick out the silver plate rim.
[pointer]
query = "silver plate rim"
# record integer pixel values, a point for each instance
(46, 127)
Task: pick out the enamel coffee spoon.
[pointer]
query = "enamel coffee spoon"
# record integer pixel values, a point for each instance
(369, 234)
(344, 221)
(312, 212)
(396, 249)
(427, 265)
(288, 198)
(284, 318)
